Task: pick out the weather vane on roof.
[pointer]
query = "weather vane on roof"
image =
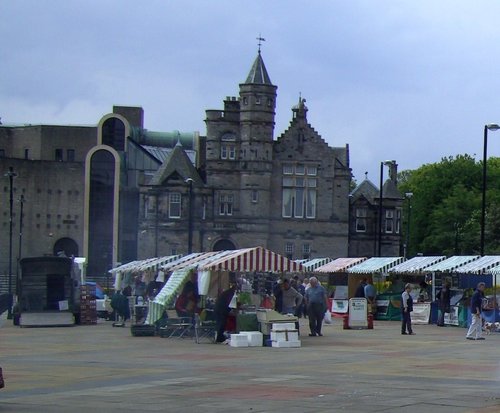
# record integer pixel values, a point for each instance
(260, 39)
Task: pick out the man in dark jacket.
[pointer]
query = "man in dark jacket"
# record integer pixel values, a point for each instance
(406, 309)
(222, 310)
(360, 291)
(476, 307)
(443, 297)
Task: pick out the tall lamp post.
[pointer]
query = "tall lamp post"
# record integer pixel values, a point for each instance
(190, 181)
(22, 199)
(492, 127)
(408, 196)
(11, 175)
(380, 206)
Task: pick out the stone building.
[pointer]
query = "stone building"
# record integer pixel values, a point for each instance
(366, 229)
(289, 195)
(115, 191)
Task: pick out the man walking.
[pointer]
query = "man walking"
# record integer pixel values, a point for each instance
(316, 306)
(476, 306)
(444, 303)
(406, 309)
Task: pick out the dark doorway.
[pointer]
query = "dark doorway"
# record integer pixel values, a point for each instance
(224, 245)
(55, 291)
(66, 247)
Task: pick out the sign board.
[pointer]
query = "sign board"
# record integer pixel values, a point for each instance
(451, 318)
(421, 313)
(340, 306)
(358, 313)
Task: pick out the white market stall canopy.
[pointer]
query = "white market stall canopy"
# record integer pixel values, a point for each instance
(375, 265)
(453, 263)
(482, 265)
(313, 264)
(143, 265)
(340, 265)
(416, 265)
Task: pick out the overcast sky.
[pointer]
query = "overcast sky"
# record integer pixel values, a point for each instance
(413, 81)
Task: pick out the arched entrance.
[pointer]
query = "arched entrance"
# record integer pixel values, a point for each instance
(223, 245)
(66, 246)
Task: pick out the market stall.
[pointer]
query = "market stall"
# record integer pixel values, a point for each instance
(481, 270)
(446, 271)
(251, 269)
(376, 270)
(336, 271)
(414, 272)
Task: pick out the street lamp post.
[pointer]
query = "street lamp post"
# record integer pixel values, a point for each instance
(492, 127)
(11, 175)
(190, 181)
(408, 196)
(19, 256)
(380, 206)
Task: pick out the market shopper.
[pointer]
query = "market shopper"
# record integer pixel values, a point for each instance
(222, 310)
(406, 309)
(370, 295)
(290, 297)
(476, 307)
(316, 301)
(443, 297)
(360, 290)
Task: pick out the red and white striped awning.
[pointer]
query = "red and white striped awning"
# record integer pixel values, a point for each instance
(253, 259)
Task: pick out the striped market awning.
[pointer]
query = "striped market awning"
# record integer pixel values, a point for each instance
(375, 265)
(340, 265)
(253, 259)
(453, 263)
(483, 265)
(312, 264)
(416, 265)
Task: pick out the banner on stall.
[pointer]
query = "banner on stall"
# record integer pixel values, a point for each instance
(358, 313)
(421, 313)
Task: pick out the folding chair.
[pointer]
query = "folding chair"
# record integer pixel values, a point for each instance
(204, 329)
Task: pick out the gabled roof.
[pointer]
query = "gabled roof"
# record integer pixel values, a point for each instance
(258, 73)
(375, 265)
(451, 264)
(367, 189)
(177, 162)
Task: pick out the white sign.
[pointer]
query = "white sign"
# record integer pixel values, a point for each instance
(340, 306)
(358, 312)
(421, 313)
(452, 317)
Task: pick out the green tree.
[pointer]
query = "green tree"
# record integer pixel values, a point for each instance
(446, 206)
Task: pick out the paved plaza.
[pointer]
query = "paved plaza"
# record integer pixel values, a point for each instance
(104, 369)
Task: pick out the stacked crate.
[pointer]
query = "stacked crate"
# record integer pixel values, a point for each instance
(88, 309)
(285, 335)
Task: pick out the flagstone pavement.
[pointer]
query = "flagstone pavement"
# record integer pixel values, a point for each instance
(104, 369)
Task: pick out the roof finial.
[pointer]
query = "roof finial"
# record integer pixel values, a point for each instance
(260, 39)
(366, 175)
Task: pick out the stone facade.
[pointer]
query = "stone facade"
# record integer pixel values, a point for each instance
(290, 195)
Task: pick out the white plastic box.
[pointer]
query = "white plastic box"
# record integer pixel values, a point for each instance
(283, 326)
(255, 338)
(238, 340)
(289, 335)
(286, 344)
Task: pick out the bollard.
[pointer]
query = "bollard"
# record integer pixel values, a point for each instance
(346, 322)
(370, 321)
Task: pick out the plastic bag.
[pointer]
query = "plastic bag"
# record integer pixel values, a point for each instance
(328, 318)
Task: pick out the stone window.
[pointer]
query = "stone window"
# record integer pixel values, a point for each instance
(398, 221)
(361, 219)
(26, 154)
(255, 196)
(227, 152)
(58, 156)
(245, 100)
(306, 251)
(226, 204)
(298, 192)
(289, 247)
(174, 207)
(70, 155)
(257, 100)
(389, 221)
(269, 102)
